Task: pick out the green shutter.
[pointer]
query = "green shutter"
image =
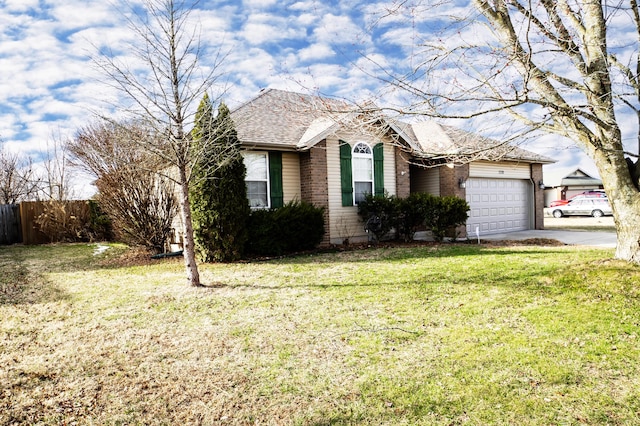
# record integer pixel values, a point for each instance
(275, 179)
(378, 169)
(345, 174)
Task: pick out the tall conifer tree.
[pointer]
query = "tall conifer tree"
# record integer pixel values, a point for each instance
(219, 195)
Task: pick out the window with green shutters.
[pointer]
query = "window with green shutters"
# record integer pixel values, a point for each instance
(361, 171)
(362, 168)
(264, 179)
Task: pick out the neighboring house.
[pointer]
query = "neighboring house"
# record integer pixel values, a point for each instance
(302, 147)
(563, 184)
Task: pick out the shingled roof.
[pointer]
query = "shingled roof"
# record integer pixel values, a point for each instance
(575, 177)
(437, 140)
(278, 119)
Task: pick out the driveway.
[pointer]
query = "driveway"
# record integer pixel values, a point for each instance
(575, 231)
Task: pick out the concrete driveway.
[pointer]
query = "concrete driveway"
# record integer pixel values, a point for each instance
(582, 238)
(596, 233)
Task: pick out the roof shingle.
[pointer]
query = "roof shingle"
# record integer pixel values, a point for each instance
(293, 121)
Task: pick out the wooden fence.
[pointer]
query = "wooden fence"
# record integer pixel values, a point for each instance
(19, 222)
(10, 229)
(29, 212)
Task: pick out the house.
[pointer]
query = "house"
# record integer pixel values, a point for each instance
(313, 149)
(563, 184)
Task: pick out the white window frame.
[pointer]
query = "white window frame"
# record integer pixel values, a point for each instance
(355, 155)
(247, 179)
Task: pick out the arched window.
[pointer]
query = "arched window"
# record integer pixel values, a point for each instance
(362, 163)
(361, 171)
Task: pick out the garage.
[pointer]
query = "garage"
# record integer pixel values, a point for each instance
(497, 205)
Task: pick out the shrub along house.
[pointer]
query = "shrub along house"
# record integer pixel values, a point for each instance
(301, 147)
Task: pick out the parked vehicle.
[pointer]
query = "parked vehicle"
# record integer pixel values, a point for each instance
(596, 193)
(596, 207)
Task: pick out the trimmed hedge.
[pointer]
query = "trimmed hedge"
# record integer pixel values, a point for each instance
(296, 226)
(440, 215)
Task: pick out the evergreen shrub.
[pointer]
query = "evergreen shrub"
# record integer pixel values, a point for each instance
(412, 214)
(379, 214)
(296, 226)
(440, 215)
(218, 192)
(445, 214)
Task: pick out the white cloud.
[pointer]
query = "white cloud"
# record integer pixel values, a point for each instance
(254, 62)
(316, 52)
(305, 6)
(266, 28)
(259, 4)
(307, 19)
(338, 30)
(72, 14)
(17, 6)
(259, 32)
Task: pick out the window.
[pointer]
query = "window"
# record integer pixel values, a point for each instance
(361, 171)
(257, 178)
(362, 165)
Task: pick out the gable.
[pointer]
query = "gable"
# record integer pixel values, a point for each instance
(577, 177)
(577, 174)
(280, 119)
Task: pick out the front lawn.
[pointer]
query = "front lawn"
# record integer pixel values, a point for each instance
(451, 334)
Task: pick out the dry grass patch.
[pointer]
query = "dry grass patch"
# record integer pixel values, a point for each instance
(447, 334)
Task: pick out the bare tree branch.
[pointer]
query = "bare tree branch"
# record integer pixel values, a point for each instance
(18, 179)
(164, 88)
(552, 66)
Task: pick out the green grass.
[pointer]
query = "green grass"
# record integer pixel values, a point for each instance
(451, 334)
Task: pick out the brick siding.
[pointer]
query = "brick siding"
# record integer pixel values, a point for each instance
(403, 177)
(314, 185)
(538, 197)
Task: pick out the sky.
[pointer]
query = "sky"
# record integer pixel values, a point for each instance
(50, 86)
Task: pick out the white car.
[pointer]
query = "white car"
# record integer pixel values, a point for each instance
(596, 207)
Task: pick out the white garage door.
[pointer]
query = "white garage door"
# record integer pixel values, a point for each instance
(497, 205)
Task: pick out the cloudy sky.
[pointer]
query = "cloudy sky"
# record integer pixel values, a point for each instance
(50, 87)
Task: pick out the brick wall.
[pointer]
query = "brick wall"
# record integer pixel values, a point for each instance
(403, 177)
(305, 176)
(313, 181)
(538, 196)
(450, 180)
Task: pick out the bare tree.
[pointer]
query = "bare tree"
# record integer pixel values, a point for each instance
(139, 202)
(56, 174)
(164, 88)
(18, 181)
(568, 68)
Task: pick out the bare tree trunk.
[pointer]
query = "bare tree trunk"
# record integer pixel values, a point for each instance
(193, 276)
(167, 43)
(625, 202)
(627, 217)
(553, 67)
